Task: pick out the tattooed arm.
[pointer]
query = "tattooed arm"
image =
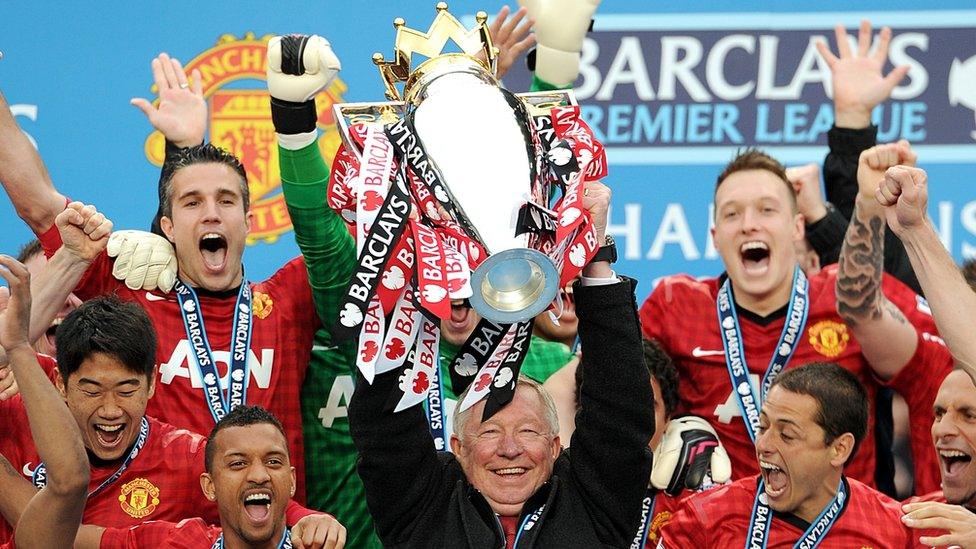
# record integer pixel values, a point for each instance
(904, 195)
(887, 339)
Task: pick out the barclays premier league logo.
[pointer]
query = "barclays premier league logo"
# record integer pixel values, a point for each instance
(687, 88)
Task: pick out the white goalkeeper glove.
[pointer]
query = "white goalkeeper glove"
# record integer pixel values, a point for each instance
(688, 455)
(299, 67)
(560, 26)
(145, 261)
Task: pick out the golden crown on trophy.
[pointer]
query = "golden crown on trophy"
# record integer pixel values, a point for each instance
(479, 53)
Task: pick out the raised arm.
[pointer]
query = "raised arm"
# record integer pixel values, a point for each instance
(887, 339)
(616, 400)
(24, 177)
(904, 195)
(328, 248)
(859, 85)
(52, 516)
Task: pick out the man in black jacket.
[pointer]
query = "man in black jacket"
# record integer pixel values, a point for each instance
(508, 481)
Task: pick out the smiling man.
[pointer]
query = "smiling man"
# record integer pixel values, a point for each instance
(813, 421)
(764, 316)
(141, 468)
(508, 482)
(223, 340)
(250, 478)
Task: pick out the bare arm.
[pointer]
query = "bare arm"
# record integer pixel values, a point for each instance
(52, 516)
(51, 287)
(887, 339)
(24, 177)
(15, 492)
(904, 194)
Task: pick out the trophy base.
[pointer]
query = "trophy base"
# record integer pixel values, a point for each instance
(514, 285)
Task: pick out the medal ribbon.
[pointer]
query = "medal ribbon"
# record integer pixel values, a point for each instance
(435, 409)
(647, 516)
(283, 543)
(218, 401)
(761, 521)
(527, 523)
(735, 354)
(39, 479)
(505, 379)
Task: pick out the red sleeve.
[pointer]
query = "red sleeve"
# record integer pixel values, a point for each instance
(918, 383)
(97, 280)
(652, 314)
(187, 533)
(685, 528)
(295, 512)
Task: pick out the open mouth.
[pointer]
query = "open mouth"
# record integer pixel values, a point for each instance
(775, 479)
(108, 435)
(459, 315)
(257, 506)
(755, 257)
(953, 461)
(213, 248)
(49, 334)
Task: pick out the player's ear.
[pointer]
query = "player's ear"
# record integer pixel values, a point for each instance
(840, 449)
(206, 483)
(59, 383)
(166, 224)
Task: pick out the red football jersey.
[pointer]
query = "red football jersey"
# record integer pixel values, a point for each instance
(186, 534)
(161, 483)
(936, 496)
(664, 508)
(919, 389)
(681, 315)
(720, 518)
(284, 321)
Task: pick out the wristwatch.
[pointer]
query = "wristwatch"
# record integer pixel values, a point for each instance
(607, 252)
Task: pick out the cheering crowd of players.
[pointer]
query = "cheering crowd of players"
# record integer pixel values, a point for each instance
(150, 395)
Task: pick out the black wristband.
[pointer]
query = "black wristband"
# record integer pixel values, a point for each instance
(290, 118)
(607, 252)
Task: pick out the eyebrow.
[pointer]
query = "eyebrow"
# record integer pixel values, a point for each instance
(130, 381)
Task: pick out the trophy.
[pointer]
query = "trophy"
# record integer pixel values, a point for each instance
(449, 187)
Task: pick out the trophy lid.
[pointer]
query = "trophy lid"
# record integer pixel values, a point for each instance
(431, 44)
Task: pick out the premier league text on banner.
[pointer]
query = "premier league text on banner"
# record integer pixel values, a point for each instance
(649, 82)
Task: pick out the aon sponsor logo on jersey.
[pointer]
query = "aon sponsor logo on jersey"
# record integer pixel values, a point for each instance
(181, 364)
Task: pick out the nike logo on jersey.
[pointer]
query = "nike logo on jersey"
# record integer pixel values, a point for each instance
(28, 472)
(698, 352)
(153, 297)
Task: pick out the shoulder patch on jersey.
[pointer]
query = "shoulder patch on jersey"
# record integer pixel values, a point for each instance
(828, 337)
(139, 498)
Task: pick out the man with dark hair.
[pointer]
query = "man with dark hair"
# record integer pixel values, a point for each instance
(946, 517)
(250, 479)
(764, 315)
(50, 517)
(142, 468)
(223, 340)
(813, 421)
